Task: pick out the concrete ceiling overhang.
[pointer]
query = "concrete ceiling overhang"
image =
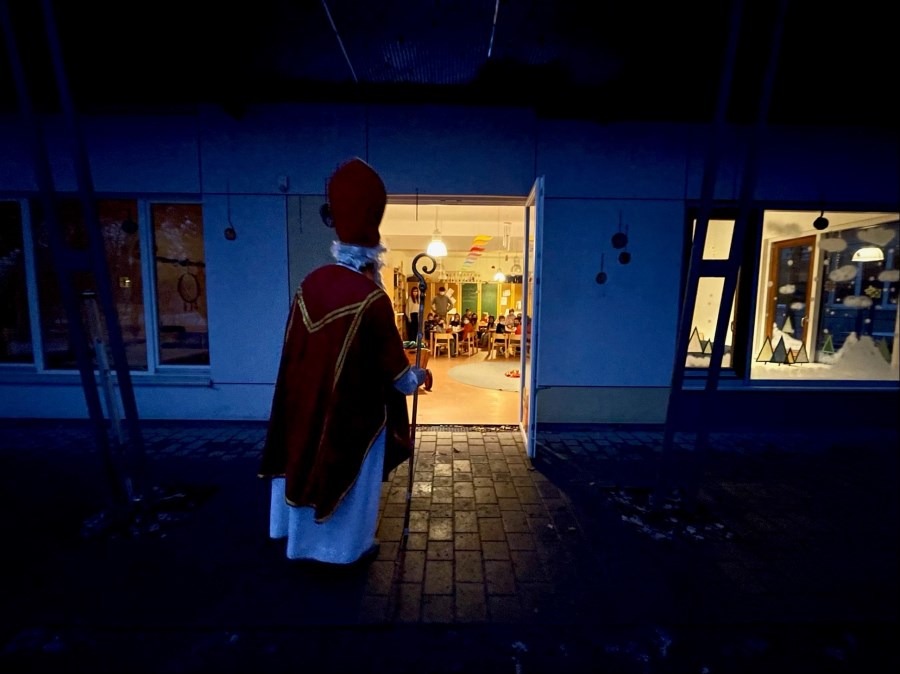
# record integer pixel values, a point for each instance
(606, 60)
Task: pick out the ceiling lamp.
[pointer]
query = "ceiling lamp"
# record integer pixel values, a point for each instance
(868, 254)
(499, 276)
(437, 247)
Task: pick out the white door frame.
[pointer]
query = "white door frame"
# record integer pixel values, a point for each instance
(534, 215)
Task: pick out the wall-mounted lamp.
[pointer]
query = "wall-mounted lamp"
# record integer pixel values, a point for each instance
(821, 222)
(129, 226)
(868, 254)
(602, 276)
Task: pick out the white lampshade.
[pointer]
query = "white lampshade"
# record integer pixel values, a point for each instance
(868, 254)
(437, 248)
(499, 276)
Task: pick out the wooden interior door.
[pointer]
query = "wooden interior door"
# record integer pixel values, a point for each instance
(791, 268)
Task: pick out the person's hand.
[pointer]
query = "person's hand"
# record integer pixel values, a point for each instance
(419, 373)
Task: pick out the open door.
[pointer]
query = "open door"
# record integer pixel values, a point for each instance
(531, 302)
(792, 267)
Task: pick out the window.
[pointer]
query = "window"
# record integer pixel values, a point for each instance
(180, 284)
(121, 243)
(169, 291)
(709, 296)
(827, 300)
(15, 330)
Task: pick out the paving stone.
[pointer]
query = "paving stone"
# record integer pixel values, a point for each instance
(471, 602)
(499, 576)
(440, 550)
(390, 529)
(442, 495)
(505, 490)
(438, 577)
(465, 522)
(528, 494)
(440, 529)
(468, 567)
(418, 521)
(485, 495)
(409, 602)
(491, 529)
(464, 504)
(488, 510)
(413, 567)
(462, 466)
(495, 550)
(463, 490)
(467, 541)
(527, 566)
(437, 609)
(514, 521)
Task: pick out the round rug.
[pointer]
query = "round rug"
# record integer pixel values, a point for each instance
(488, 374)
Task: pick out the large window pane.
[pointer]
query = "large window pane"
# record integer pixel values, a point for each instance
(180, 284)
(828, 299)
(709, 296)
(15, 330)
(118, 226)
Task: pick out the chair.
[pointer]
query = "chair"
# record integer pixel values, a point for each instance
(468, 344)
(439, 340)
(497, 341)
(515, 344)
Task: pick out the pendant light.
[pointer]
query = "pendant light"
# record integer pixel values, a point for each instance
(499, 276)
(437, 247)
(868, 254)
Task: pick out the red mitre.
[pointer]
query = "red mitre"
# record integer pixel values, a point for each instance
(357, 198)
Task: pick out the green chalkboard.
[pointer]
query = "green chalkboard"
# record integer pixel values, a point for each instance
(469, 297)
(489, 298)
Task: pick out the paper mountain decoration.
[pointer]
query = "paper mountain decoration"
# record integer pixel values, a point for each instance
(828, 346)
(800, 355)
(476, 249)
(695, 344)
(765, 353)
(788, 327)
(781, 354)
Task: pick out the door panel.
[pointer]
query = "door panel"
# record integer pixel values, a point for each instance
(790, 285)
(534, 213)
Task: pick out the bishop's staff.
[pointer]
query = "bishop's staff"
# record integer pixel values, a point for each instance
(415, 402)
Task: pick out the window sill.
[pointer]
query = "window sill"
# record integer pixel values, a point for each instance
(200, 377)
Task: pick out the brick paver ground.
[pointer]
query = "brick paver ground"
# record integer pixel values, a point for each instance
(765, 552)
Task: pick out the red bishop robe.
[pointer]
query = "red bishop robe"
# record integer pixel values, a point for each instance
(334, 394)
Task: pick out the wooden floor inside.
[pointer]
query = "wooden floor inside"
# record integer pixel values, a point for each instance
(453, 403)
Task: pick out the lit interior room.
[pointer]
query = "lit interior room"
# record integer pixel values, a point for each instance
(478, 247)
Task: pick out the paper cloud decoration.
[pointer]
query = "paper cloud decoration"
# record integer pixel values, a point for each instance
(845, 273)
(835, 245)
(878, 236)
(858, 301)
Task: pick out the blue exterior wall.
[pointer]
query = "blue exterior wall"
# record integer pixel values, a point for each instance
(274, 159)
